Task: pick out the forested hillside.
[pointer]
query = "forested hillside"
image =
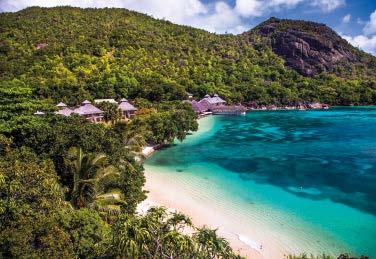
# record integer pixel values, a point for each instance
(71, 54)
(70, 188)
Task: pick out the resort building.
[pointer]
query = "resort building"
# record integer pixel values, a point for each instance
(190, 96)
(63, 110)
(89, 111)
(197, 107)
(41, 46)
(207, 103)
(216, 105)
(92, 113)
(105, 100)
(127, 109)
(39, 113)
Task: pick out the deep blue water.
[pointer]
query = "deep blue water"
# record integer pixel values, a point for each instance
(314, 155)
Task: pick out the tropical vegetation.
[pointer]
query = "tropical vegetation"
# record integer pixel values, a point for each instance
(71, 54)
(70, 188)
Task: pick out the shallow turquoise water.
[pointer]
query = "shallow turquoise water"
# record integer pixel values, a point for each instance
(317, 166)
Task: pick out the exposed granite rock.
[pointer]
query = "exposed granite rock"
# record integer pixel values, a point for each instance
(307, 47)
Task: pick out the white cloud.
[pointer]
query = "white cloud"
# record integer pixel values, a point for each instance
(222, 19)
(247, 8)
(346, 18)
(328, 5)
(370, 26)
(254, 8)
(216, 16)
(367, 41)
(368, 44)
(286, 3)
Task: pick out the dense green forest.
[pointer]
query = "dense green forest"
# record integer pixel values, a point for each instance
(71, 54)
(69, 188)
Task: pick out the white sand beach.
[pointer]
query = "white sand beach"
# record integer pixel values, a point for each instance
(254, 229)
(163, 192)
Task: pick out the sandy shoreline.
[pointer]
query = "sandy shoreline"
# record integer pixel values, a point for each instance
(254, 230)
(162, 192)
(259, 219)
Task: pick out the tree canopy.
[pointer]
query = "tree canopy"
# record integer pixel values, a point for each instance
(71, 54)
(69, 188)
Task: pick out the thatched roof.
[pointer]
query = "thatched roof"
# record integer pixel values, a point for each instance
(198, 107)
(87, 109)
(65, 112)
(213, 100)
(61, 105)
(126, 106)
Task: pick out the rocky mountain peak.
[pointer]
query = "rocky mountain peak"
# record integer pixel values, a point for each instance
(307, 47)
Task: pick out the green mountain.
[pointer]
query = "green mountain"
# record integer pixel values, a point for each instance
(70, 54)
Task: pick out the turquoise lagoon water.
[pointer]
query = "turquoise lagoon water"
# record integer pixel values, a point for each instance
(310, 174)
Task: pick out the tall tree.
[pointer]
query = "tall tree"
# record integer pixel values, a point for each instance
(91, 178)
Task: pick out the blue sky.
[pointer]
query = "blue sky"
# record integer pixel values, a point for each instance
(355, 20)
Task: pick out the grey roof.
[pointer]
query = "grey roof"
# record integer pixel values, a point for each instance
(61, 105)
(205, 104)
(87, 108)
(213, 100)
(197, 107)
(65, 112)
(126, 106)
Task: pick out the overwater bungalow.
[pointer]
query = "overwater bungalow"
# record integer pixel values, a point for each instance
(63, 110)
(89, 111)
(127, 109)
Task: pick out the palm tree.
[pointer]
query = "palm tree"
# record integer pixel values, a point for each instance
(210, 245)
(131, 138)
(130, 237)
(91, 179)
(179, 221)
